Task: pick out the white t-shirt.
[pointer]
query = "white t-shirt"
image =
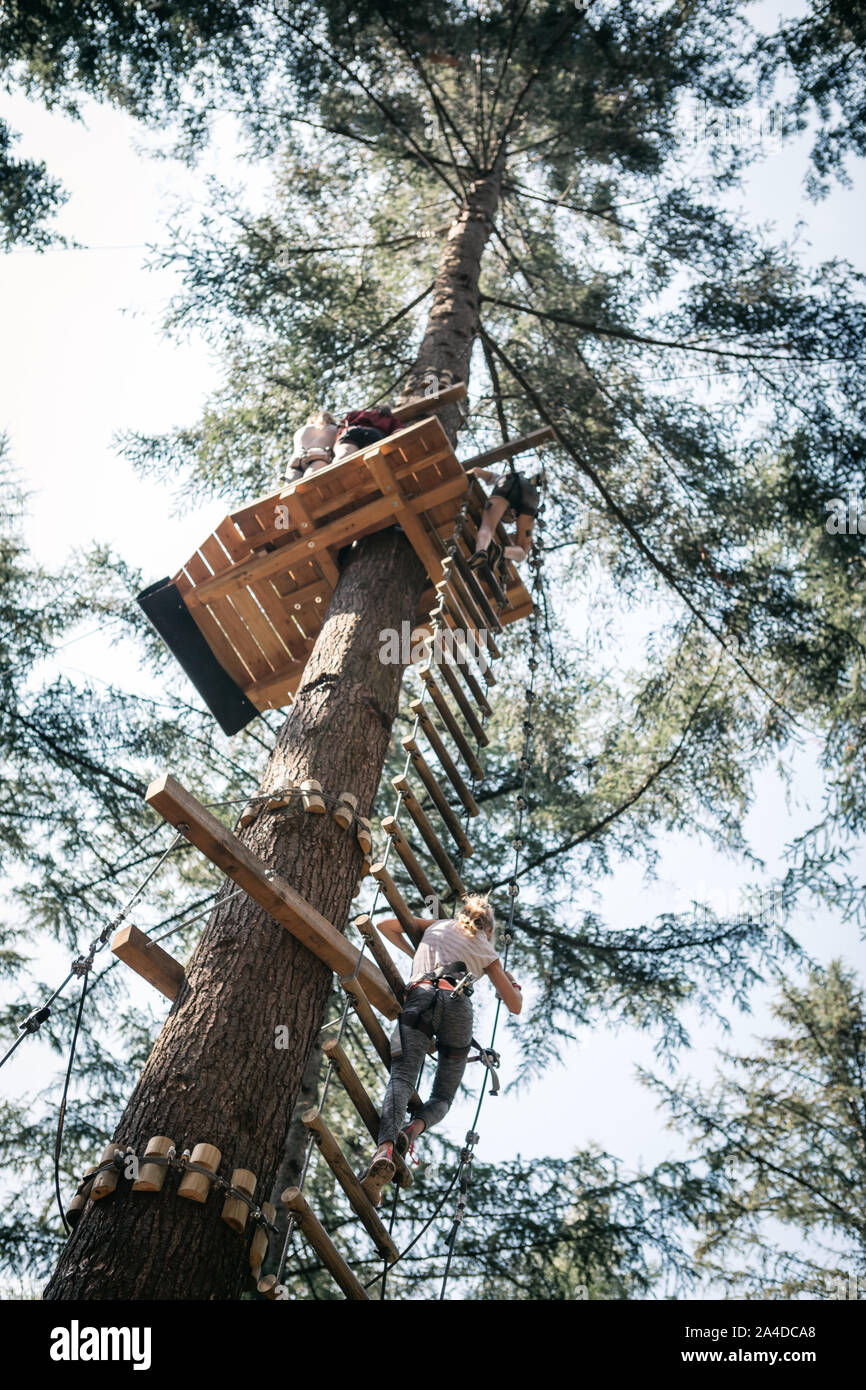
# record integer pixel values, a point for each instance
(444, 942)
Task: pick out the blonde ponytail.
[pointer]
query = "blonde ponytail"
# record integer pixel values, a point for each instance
(475, 915)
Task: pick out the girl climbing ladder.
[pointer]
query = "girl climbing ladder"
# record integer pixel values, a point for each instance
(451, 956)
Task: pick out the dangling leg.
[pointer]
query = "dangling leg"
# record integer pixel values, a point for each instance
(523, 539)
(493, 513)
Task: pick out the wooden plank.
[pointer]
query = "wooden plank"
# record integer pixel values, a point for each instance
(448, 765)
(507, 451)
(294, 1200)
(377, 462)
(437, 795)
(250, 612)
(447, 716)
(381, 955)
(148, 960)
(214, 635)
(274, 894)
(228, 618)
(404, 849)
(358, 1199)
(396, 902)
(425, 405)
(370, 1023)
(263, 566)
(431, 839)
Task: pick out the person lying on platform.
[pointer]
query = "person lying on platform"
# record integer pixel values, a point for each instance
(312, 445)
(436, 1006)
(361, 428)
(513, 499)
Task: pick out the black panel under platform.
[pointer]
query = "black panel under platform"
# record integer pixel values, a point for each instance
(176, 626)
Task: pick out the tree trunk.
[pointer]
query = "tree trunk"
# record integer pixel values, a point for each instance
(215, 1074)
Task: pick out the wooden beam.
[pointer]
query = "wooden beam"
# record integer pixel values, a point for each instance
(380, 953)
(507, 451)
(397, 902)
(148, 960)
(354, 1088)
(324, 1247)
(431, 839)
(437, 795)
(358, 1199)
(274, 894)
(428, 405)
(447, 763)
(410, 863)
(370, 1023)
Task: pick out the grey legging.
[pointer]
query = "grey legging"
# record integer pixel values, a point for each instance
(427, 1013)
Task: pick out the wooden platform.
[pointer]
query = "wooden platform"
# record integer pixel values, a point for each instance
(258, 588)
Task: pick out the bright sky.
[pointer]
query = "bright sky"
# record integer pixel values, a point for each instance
(82, 358)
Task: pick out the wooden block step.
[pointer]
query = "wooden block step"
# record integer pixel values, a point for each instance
(294, 1200)
(507, 451)
(354, 1088)
(397, 903)
(437, 796)
(431, 839)
(202, 829)
(380, 953)
(446, 762)
(342, 1170)
(446, 714)
(410, 863)
(148, 960)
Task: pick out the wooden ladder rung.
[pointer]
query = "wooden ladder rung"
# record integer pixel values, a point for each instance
(269, 890)
(380, 953)
(397, 902)
(447, 763)
(358, 1199)
(410, 863)
(148, 960)
(354, 1088)
(481, 616)
(461, 666)
(474, 587)
(370, 1023)
(437, 795)
(324, 1247)
(447, 672)
(431, 839)
(446, 714)
(459, 619)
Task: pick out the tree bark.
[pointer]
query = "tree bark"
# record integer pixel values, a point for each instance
(215, 1074)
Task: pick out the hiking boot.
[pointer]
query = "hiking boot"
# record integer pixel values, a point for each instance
(379, 1174)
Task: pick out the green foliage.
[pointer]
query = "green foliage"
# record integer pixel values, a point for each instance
(780, 1138)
